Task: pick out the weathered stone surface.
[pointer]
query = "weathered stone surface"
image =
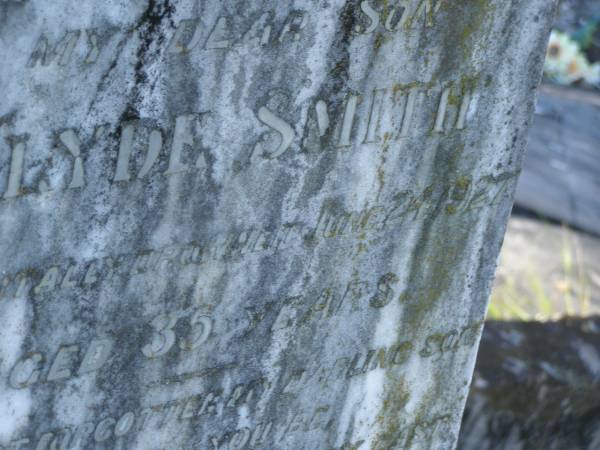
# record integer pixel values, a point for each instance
(258, 224)
(535, 386)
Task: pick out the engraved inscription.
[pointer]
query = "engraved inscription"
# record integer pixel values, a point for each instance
(384, 358)
(192, 409)
(394, 15)
(47, 53)
(74, 360)
(286, 133)
(189, 35)
(15, 174)
(460, 197)
(65, 364)
(193, 35)
(447, 108)
(164, 338)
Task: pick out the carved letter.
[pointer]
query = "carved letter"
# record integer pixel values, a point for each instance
(385, 292)
(441, 114)
(176, 45)
(44, 441)
(15, 174)
(201, 329)
(26, 371)
(96, 356)
(409, 110)
(68, 281)
(71, 141)
(61, 368)
(260, 434)
(372, 15)
(40, 53)
(23, 289)
(464, 110)
(91, 275)
(218, 38)
(348, 121)
(49, 281)
(375, 116)
(260, 32)
(155, 142)
(124, 424)
(182, 136)
(461, 115)
(94, 52)
(127, 135)
(392, 22)
(103, 430)
(239, 439)
(294, 24)
(64, 50)
(426, 7)
(322, 117)
(285, 130)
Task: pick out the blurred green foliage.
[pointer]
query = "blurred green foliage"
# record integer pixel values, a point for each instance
(588, 34)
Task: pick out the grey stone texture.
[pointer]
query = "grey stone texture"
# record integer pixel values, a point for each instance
(253, 225)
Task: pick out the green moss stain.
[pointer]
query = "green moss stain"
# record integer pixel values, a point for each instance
(435, 267)
(389, 420)
(379, 40)
(469, 24)
(381, 166)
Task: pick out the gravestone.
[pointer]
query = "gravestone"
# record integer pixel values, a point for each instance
(253, 225)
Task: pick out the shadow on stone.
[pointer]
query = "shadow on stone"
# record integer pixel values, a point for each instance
(535, 387)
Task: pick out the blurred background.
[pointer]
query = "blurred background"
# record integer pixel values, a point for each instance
(537, 379)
